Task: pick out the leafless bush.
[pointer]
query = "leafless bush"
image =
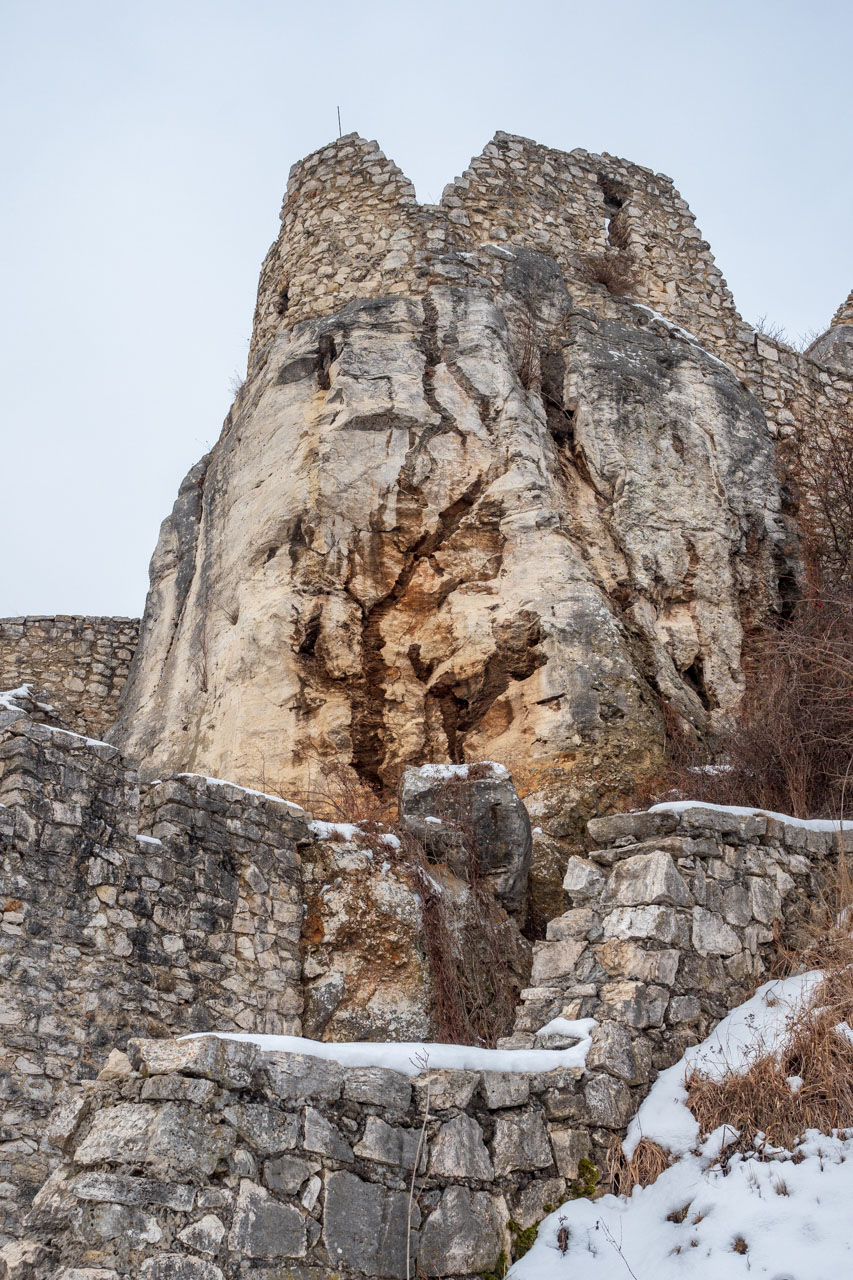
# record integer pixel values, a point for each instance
(791, 745)
(769, 329)
(334, 792)
(614, 269)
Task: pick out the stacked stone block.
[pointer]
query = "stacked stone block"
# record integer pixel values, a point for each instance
(211, 1160)
(673, 921)
(352, 229)
(106, 934)
(80, 664)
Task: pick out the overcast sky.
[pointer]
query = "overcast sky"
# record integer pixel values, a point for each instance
(145, 152)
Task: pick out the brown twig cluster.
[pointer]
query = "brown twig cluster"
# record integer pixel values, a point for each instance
(614, 269)
(791, 746)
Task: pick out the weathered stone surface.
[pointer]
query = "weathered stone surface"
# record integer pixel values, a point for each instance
(288, 1173)
(388, 1089)
(228, 1062)
(617, 1052)
(133, 1190)
(388, 1144)
(570, 1147)
(617, 827)
(462, 1236)
(364, 1226)
(169, 1140)
(483, 811)
(583, 880)
(554, 960)
(296, 1076)
(205, 1235)
(520, 1142)
(175, 1266)
(132, 1226)
(649, 879)
(608, 1101)
(459, 1151)
(322, 1136)
(448, 1090)
(264, 1228)
(269, 1130)
(505, 1089)
(23, 1260)
(711, 934)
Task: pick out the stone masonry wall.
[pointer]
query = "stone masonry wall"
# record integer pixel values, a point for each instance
(105, 933)
(671, 925)
(81, 664)
(352, 228)
(209, 1159)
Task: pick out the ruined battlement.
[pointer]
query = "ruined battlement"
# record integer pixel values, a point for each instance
(78, 664)
(351, 228)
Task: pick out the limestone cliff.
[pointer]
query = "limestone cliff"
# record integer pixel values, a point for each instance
(469, 504)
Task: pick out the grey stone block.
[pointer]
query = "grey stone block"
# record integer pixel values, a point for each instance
(459, 1151)
(462, 1236)
(389, 1144)
(520, 1142)
(268, 1130)
(264, 1228)
(365, 1226)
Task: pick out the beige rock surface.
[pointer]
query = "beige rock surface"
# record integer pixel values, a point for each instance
(463, 523)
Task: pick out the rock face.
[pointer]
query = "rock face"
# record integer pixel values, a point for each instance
(460, 811)
(454, 515)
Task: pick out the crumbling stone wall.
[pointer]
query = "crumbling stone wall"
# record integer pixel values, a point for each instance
(212, 1160)
(81, 664)
(106, 933)
(352, 228)
(670, 926)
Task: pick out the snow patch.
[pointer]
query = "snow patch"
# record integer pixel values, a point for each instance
(249, 791)
(409, 1057)
(744, 811)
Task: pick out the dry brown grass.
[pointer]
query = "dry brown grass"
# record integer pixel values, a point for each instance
(614, 269)
(760, 1099)
(645, 1166)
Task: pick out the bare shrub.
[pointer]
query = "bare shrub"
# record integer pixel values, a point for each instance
(334, 792)
(614, 269)
(645, 1166)
(478, 956)
(791, 745)
(769, 329)
(478, 959)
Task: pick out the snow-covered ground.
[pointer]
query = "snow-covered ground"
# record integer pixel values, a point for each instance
(787, 1217)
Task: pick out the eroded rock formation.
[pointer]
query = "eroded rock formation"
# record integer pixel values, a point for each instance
(454, 515)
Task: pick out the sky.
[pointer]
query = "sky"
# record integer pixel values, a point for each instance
(145, 151)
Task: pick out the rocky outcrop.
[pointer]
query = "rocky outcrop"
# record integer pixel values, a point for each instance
(464, 518)
(465, 812)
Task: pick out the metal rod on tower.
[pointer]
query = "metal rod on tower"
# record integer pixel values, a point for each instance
(340, 134)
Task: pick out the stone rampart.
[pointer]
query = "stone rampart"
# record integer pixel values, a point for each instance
(211, 1160)
(352, 228)
(107, 934)
(672, 922)
(79, 663)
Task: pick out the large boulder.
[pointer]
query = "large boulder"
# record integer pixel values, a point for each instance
(471, 812)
